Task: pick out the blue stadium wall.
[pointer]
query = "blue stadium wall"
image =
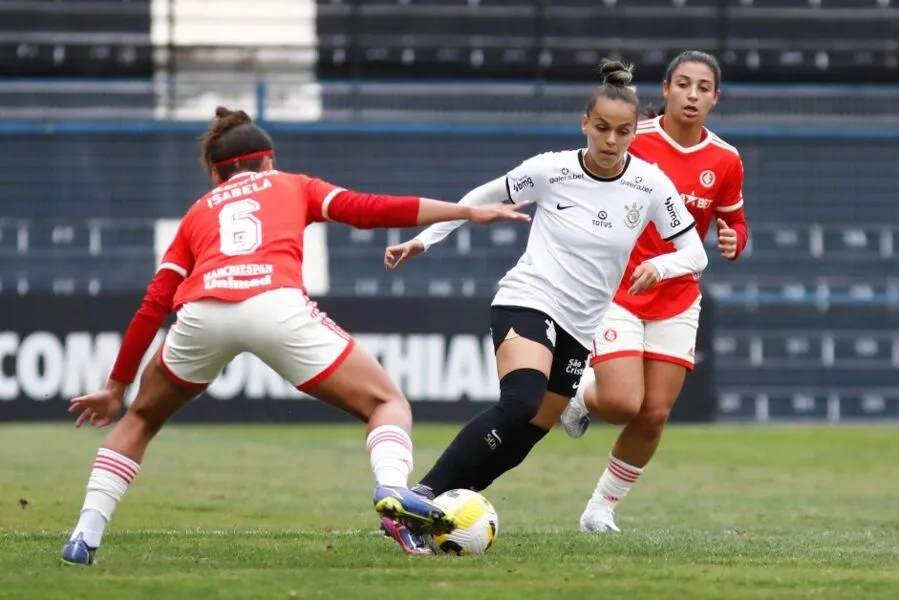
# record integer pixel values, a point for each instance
(824, 361)
(154, 170)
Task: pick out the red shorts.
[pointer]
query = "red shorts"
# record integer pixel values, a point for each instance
(281, 327)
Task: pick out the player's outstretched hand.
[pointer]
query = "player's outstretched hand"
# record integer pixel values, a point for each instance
(99, 408)
(727, 240)
(396, 255)
(645, 276)
(490, 213)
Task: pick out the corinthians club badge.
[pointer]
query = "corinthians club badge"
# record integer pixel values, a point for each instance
(632, 216)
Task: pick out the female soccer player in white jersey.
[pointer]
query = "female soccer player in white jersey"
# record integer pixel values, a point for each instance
(645, 345)
(591, 207)
(233, 274)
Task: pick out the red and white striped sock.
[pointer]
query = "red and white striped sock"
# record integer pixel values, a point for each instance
(109, 480)
(390, 448)
(616, 480)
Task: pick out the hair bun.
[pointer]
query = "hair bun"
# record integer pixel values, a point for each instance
(232, 117)
(616, 73)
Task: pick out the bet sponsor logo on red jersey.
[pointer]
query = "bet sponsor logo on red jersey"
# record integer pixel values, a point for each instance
(697, 201)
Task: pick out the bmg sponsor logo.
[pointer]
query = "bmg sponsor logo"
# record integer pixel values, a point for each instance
(672, 213)
(523, 183)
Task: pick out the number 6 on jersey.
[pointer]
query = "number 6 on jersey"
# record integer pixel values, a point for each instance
(239, 230)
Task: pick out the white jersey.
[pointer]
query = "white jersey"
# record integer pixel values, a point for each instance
(582, 235)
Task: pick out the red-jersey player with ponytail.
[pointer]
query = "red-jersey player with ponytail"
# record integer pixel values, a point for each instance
(233, 275)
(645, 345)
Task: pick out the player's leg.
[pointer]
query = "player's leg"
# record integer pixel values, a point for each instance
(310, 351)
(180, 372)
(667, 358)
(615, 397)
(612, 390)
(361, 387)
(524, 340)
(640, 438)
(569, 362)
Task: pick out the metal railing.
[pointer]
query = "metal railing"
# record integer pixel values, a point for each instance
(281, 99)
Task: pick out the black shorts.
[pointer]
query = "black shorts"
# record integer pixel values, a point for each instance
(569, 357)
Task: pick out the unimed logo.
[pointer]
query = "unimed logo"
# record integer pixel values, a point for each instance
(43, 365)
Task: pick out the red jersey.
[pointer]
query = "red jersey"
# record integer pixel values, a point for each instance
(709, 177)
(245, 237)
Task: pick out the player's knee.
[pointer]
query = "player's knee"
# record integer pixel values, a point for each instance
(652, 419)
(391, 399)
(142, 420)
(616, 406)
(521, 394)
(395, 399)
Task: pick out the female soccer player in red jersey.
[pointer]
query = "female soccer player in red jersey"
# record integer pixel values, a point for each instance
(645, 345)
(233, 274)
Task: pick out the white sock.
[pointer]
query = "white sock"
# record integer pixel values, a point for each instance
(109, 480)
(616, 481)
(587, 379)
(390, 448)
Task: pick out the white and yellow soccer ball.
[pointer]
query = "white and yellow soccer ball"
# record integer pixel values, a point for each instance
(478, 524)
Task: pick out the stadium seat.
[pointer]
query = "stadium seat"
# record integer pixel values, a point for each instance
(564, 40)
(75, 99)
(838, 404)
(104, 38)
(63, 274)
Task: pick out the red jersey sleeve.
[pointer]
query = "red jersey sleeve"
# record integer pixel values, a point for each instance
(156, 305)
(318, 194)
(176, 264)
(732, 188)
(731, 209)
(179, 257)
(328, 202)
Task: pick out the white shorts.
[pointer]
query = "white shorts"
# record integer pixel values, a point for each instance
(282, 327)
(623, 334)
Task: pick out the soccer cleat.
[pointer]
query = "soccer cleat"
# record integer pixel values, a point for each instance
(408, 541)
(424, 491)
(576, 418)
(77, 552)
(419, 514)
(599, 518)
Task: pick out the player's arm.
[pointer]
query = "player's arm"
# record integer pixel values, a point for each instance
(733, 230)
(518, 186)
(689, 256)
(676, 225)
(369, 211)
(101, 407)
(492, 192)
(154, 308)
(176, 264)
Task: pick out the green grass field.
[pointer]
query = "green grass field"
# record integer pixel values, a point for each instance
(285, 512)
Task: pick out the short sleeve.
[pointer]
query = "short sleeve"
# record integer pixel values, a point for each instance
(669, 214)
(523, 183)
(318, 194)
(732, 189)
(179, 257)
